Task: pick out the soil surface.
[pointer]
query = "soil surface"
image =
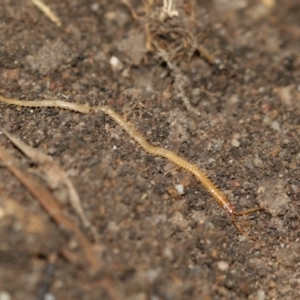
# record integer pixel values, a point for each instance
(218, 83)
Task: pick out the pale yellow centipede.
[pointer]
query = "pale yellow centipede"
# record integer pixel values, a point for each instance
(139, 138)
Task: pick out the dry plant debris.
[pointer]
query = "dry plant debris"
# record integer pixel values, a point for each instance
(50, 204)
(173, 34)
(47, 11)
(55, 177)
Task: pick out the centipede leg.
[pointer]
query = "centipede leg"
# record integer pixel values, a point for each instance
(248, 211)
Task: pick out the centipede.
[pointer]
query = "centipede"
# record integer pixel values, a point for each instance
(211, 188)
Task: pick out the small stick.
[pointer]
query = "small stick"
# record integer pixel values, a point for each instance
(218, 195)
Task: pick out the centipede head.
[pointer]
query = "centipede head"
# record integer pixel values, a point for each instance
(238, 226)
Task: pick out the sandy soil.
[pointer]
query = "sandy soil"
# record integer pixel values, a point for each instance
(219, 84)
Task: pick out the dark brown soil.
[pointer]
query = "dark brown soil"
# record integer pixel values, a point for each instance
(234, 112)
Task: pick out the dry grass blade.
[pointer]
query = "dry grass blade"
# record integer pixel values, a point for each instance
(50, 204)
(47, 11)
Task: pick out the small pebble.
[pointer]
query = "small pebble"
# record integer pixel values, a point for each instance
(267, 120)
(196, 92)
(152, 274)
(233, 99)
(49, 296)
(258, 161)
(242, 238)
(115, 63)
(180, 189)
(112, 226)
(223, 265)
(256, 117)
(168, 253)
(4, 295)
(275, 125)
(95, 7)
(235, 143)
(261, 295)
